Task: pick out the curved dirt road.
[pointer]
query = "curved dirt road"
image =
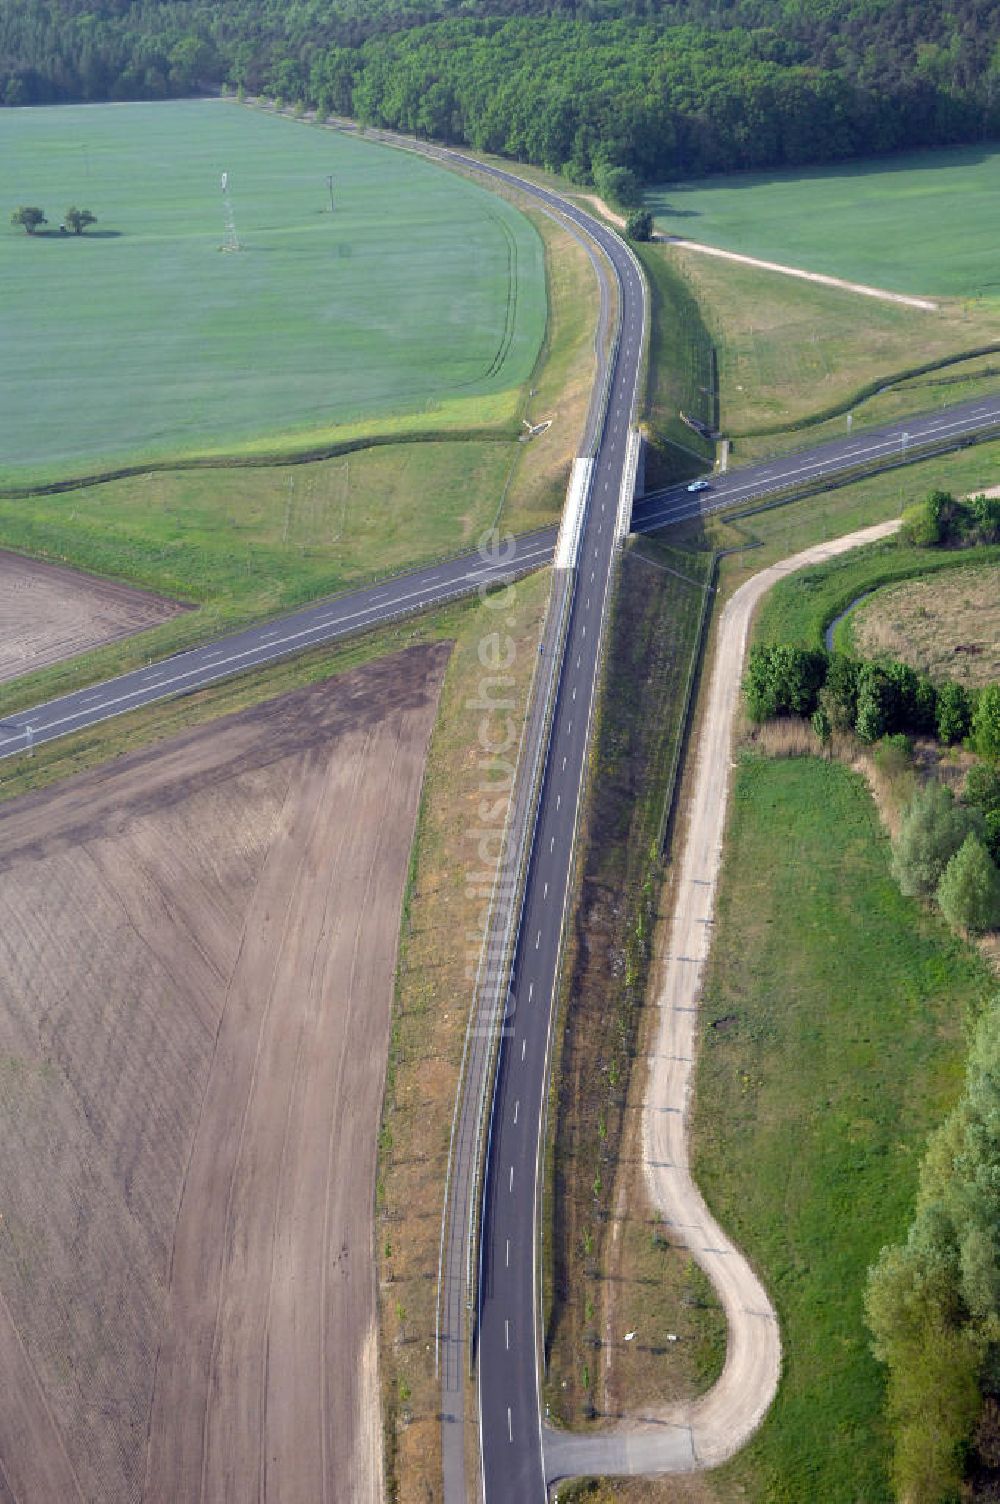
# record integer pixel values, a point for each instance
(704, 1432)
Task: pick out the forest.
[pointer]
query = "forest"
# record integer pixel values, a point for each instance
(667, 88)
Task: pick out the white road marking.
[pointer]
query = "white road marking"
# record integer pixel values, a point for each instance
(252, 656)
(516, 1106)
(510, 1428)
(511, 1187)
(552, 844)
(531, 988)
(545, 891)
(508, 1253)
(506, 1336)
(524, 1046)
(564, 765)
(538, 939)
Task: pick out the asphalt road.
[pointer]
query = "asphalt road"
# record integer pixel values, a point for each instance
(422, 589)
(511, 1437)
(341, 616)
(820, 466)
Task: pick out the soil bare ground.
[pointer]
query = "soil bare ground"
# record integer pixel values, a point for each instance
(48, 613)
(197, 950)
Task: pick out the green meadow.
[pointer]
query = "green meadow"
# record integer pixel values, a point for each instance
(418, 302)
(832, 1043)
(922, 223)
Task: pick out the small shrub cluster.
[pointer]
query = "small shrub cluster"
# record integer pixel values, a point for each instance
(617, 185)
(944, 521)
(941, 851)
(873, 698)
(933, 1302)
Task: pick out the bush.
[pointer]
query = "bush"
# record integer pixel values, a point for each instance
(839, 695)
(876, 703)
(991, 834)
(783, 680)
(922, 522)
(982, 787)
(986, 723)
(932, 830)
(639, 225)
(617, 185)
(954, 712)
(969, 891)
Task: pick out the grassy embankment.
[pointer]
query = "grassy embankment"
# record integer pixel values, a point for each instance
(443, 915)
(799, 609)
(608, 1268)
(795, 358)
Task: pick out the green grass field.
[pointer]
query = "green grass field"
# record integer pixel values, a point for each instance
(817, 1087)
(924, 222)
(421, 295)
(246, 544)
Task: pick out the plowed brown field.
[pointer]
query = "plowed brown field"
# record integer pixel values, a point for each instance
(197, 950)
(48, 613)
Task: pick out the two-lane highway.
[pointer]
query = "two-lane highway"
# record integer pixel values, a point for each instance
(361, 610)
(324, 622)
(513, 1467)
(824, 465)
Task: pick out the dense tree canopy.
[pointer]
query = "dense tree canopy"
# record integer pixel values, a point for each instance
(665, 88)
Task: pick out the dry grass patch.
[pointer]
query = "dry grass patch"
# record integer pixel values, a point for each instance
(788, 349)
(947, 625)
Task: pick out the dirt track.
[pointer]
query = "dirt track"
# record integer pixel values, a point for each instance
(197, 951)
(720, 1421)
(861, 288)
(48, 613)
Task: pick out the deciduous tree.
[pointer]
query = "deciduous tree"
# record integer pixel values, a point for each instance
(932, 830)
(30, 216)
(969, 891)
(77, 220)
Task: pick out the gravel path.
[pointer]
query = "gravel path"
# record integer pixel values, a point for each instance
(797, 271)
(706, 1431)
